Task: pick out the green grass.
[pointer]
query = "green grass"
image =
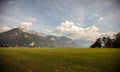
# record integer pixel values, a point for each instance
(59, 60)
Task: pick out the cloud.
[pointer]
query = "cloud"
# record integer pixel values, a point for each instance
(16, 8)
(11, 2)
(92, 16)
(73, 31)
(5, 28)
(26, 24)
(57, 6)
(17, 22)
(8, 18)
(109, 22)
(101, 19)
(48, 30)
(110, 34)
(31, 19)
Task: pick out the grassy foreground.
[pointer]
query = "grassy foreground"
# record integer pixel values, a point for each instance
(59, 60)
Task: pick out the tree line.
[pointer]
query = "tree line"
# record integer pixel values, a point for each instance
(107, 42)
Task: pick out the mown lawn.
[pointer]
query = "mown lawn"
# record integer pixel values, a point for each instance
(59, 60)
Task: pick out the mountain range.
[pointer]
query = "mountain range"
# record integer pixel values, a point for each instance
(21, 37)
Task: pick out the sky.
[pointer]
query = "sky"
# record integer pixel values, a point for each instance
(84, 20)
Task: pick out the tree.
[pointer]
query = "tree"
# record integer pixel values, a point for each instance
(97, 44)
(107, 42)
(116, 43)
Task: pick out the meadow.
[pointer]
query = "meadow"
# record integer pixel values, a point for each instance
(59, 60)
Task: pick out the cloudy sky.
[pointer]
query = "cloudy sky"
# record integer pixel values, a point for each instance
(78, 19)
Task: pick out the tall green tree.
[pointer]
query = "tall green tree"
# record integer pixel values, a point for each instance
(107, 42)
(116, 43)
(97, 44)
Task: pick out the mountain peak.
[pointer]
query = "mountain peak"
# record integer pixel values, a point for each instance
(20, 29)
(24, 30)
(26, 38)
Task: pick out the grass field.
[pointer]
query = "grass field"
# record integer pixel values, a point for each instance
(59, 60)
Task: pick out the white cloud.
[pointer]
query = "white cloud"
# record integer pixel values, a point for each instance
(95, 15)
(26, 24)
(110, 34)
(11, 2)
(16, 8)
(5, 28)
(48, 30)
(57, 6)
(31, 19)
(5, 17)
(18, 23)
(73, 31)
(92, 16)
(101, 19)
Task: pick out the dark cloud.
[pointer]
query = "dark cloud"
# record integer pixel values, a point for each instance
(117, 3)
(3, 4)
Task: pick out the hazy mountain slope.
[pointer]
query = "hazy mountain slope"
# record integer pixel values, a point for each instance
(26, 38)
